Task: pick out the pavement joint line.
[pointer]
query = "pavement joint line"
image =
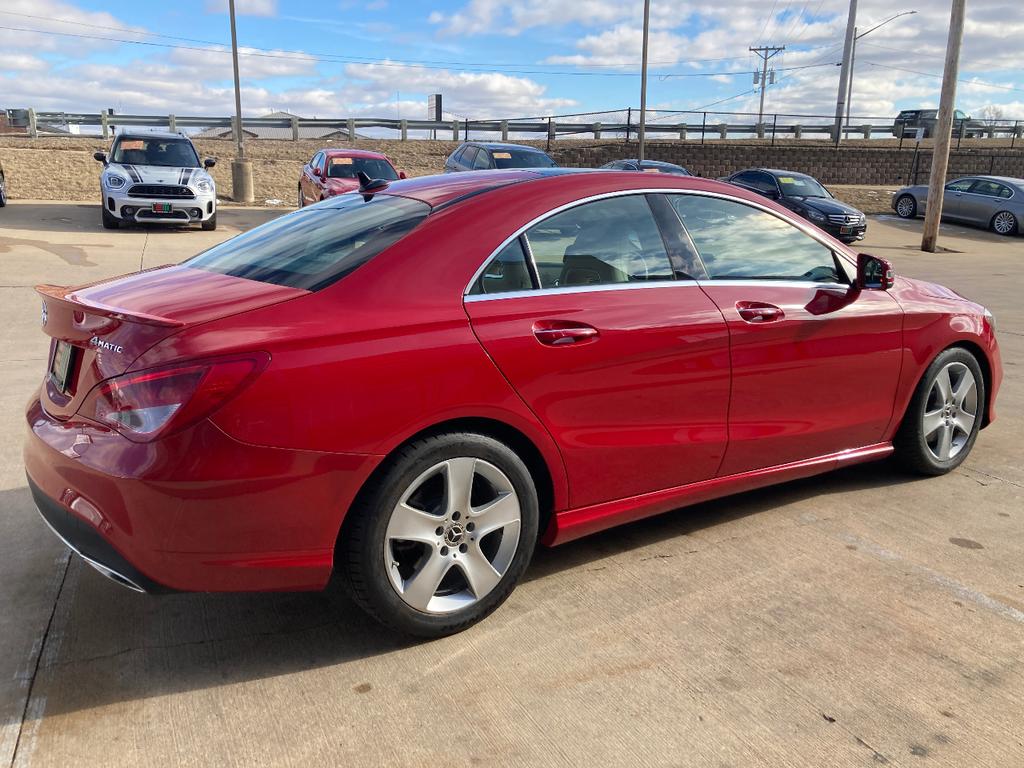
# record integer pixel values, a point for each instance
(958, 588)
(39, 658)
(966, 472)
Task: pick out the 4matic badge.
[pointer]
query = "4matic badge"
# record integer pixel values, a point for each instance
(99, 343)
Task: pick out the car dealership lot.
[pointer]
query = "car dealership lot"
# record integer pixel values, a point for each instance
(848, 619)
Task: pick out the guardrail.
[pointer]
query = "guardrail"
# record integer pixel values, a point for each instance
(687, 125)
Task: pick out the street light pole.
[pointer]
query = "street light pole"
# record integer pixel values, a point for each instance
(853, 54)
(643, 80)
(241, 169)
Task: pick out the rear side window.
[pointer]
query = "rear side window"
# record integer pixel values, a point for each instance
(991, 189)
(508, 271)
(316, 246)
(601, 243)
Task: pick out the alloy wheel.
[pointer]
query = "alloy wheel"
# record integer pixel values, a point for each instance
(905, 207)
(1004, 223)
(452, 535)
(950, 411)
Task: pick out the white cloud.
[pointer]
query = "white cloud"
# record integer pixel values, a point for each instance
(54, 16)
(244, 7)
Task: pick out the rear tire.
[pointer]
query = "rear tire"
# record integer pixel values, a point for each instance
(3, 191)
(109, 220)
(942, 421)
(210, 224)
(906, 207)
(302, 201)
(1004, 223)
(442, 536)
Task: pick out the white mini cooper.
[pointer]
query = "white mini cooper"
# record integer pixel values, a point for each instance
(156, 178)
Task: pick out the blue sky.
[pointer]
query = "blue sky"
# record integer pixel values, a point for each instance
(492, 58)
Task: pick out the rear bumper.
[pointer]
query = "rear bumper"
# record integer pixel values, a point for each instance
(198, 511)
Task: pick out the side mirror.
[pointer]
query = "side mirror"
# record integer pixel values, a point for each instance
(209, 162)
(101, 156)
(401, 175)
(874, 273)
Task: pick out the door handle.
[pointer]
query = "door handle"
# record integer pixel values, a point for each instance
(558, 333)
(758, 312)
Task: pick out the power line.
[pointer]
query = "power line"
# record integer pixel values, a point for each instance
(959, 80)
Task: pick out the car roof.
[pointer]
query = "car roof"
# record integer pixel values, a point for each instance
(348, 152)
(1001, 179)
(503, 145)
(648, 162)
(447, 188)
(779, 172)
(151, 135)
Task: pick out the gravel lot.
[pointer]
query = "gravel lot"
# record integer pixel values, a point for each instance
(856, 619)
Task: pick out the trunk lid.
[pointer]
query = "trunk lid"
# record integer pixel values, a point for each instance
(109, 325)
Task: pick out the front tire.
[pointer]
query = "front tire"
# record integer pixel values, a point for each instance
(109, 220)
(1004, 223)
(210, 224)
(906, 207)
(3, 191)
(442, 536)
(942, 421)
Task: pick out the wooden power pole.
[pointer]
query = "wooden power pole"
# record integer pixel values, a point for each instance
(943, 128)
(844, 73)
(765, 53)
(643, 81)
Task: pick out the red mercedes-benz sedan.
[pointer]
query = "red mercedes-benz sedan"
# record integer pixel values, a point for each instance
(415, 384)
(333, 172)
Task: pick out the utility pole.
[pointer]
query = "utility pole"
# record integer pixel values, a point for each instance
(943, 127)
(853, 55)
(643, 80)
(765, 53)
(241, 169)
(844, 75)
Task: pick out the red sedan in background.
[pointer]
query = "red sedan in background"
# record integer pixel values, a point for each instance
(416, 384)
(333, 172)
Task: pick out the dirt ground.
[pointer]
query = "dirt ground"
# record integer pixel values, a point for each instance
(64, 169)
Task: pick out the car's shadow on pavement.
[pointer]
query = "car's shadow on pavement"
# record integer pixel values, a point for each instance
(106, 644)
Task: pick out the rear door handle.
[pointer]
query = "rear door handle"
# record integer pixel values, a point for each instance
(757, 312)
(561, 333)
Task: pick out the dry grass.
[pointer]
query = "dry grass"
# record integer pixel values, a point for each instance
(64, 169)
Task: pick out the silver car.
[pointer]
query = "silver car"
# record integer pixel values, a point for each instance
(994, 202)
(156, 178)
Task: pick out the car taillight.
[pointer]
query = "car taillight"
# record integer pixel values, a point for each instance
(148, 404)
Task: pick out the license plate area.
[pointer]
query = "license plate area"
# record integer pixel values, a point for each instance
(845, 230)
(62, 365)
(161, 207)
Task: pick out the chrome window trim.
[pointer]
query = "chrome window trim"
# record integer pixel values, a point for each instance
(804, 228)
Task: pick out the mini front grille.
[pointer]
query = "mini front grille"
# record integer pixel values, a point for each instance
(161, 191)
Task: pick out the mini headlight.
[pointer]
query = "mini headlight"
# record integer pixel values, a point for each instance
(204, 186)
(116, 182)
(816, 215)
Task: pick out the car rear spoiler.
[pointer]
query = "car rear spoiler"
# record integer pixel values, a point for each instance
(67, 296)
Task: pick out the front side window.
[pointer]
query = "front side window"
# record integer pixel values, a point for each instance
(605, 242)
(139, 150)
(740, 242)
(315, 246)
(482, 161)
(963, 185)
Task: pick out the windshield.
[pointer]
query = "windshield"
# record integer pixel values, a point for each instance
(801, 186)
(349, 168)
(664, 168)
(318, 245)
(520, 158)
(136, 150)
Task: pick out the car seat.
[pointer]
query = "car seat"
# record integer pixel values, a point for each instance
(600, 254)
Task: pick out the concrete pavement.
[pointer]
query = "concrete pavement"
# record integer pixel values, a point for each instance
(860, 618)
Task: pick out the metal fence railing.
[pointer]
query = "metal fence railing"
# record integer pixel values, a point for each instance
(622, 123)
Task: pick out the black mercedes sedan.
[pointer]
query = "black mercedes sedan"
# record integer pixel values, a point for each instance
(806, 196)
